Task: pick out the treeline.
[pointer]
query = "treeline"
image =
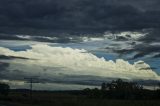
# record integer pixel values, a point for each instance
(117, 89)
(120, 89)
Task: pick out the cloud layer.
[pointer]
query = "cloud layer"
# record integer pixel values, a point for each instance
(57, 64)
(44, 17)
(132, 33)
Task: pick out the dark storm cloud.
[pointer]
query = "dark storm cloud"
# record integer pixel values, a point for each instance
(3, 66)
(77, 79)
(88, 80)
(46, 16)
(141, 50)
(3, 69)
(54, 17)
(146, 48)
(9, 37)
(11, 57)
(152, 36)
(157, 56)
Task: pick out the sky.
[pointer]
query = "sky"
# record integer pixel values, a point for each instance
(75, 44)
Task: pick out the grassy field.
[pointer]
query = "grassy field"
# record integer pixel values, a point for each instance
(65, 99)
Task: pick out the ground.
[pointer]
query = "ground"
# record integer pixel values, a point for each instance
(61, 99)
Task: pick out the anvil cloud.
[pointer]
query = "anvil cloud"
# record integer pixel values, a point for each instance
(48, 61)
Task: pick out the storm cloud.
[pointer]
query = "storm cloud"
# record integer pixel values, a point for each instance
(3, 69)
(10, 57)
(48, 16)
(3, 66)
(79, 41)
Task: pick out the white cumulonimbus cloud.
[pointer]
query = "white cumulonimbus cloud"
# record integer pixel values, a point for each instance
(77, 62)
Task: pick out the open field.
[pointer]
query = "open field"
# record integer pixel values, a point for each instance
(67, 99)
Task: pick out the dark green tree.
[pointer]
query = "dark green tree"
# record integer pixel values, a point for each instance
(103, 86)
(122, 89)
(159, 85)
